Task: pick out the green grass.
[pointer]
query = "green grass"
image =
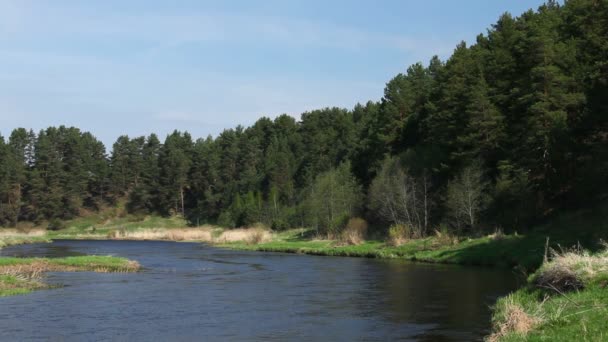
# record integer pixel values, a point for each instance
(539, 312)
(526, 251)
(512, 250)
(20, 240)
(21, 275)
(96, 262)
(12, 285)
(579, 316)
(80, 263)
(98, 226)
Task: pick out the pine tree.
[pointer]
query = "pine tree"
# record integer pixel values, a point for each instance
(174, 161)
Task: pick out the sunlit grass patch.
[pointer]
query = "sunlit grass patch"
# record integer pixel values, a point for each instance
(204, 234)
(572, 269)
(566, 300)
(11, 285)
(22, 275)
(250, 236)
(10, 237)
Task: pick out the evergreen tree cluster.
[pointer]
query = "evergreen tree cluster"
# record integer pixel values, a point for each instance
(518, 122)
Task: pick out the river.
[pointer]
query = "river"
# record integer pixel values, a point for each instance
(193, 292)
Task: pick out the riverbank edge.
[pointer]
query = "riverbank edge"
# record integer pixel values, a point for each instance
(524, 253)
(547, 315)
(20, 276)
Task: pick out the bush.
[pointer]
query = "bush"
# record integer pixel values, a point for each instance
(257, 236)
(354, 232)
(137, 217)
(279, 224)
(443, 237)
(398, 234)
(55, 224)
(225, 220)
(571, 270)
(337, 226)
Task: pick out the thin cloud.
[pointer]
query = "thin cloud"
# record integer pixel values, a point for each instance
(170, 31)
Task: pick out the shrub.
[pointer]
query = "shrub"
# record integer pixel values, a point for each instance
(571, 270)
(354, 232)
(498, 235)
(55, 224)
(225, 220)
(443, 237)
(398, 234)
(337, 226)
(115, 234)
(250, 236)
(137, 217)
(513, 319)
(256, 236)
(279, 224)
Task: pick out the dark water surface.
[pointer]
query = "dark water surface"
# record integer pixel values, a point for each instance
(192, 292)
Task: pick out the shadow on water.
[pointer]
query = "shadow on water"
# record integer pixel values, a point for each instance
(47, 250)
(194, 292)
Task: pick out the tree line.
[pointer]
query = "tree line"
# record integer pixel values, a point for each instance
(501, 134)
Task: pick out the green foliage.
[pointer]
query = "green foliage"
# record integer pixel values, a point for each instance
(55, 224)
(225, 220)
(279, 225)
(527, 101)
(334, 197)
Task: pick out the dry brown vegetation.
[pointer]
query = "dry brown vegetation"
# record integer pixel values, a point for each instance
(570, 270)
(355, 231)
(444, 237)
(15, 233)
(516, 320)
(34, 269)
(398, 234)
(200, 234)
(22, 275)
(567, 289)
(16, 237)
(248, 235)
(498, 235)
(185, 234)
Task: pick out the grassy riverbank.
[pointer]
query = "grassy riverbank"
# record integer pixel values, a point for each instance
(565, 300)
(524, 250)
(9, 237)
(531, 313)
(23, 275)
(513, 250)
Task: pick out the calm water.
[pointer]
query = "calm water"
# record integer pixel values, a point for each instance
(192, 292)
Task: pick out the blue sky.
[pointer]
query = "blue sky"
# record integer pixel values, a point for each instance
(137, 67)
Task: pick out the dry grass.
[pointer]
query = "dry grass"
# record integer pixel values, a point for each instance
(203, 234)
(28, 271)
(498, 235)
(444, 238)
(14, 233)
(570, 270)
(16, 237)
(184, 234)
(399, 234)
(248, 235)
(354, 233)
(515, 320)
(22, 275)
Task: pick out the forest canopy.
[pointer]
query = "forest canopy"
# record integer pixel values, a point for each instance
(501, 134)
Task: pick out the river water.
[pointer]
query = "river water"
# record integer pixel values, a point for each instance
(193, 292)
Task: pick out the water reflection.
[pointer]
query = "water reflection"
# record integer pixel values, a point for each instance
(456, 299)
(193, 292)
